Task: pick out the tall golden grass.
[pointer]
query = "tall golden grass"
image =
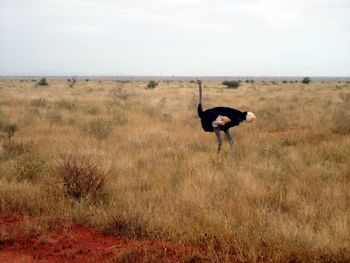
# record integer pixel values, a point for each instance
(284, 197)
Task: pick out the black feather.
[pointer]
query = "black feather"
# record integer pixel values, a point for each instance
(210, 115)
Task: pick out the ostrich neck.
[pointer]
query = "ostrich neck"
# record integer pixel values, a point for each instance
(200, 94)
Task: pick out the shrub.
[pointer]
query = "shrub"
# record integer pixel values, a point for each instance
(54, 118)
(10, 129)
(284, 81)
(12, 149)
(43, 82)
(232, 84)
(152, 84)
(82, 177)
(67, 105)
(29, 167)
(38, 102)
(120, 118)
(93, 110)
(306, 80)
(99, 128)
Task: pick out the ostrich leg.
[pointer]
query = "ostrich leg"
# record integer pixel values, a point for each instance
(230, 141)
(218, 137)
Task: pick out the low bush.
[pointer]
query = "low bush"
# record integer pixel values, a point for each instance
(38, 102)
(82, 177)
(99, 128)
(93, 110)
(66, 105)
(9, 129)
(54, 118)
(11, 149)
(29, 167)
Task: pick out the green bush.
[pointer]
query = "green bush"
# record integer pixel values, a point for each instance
(306, 80)
(43, 82)
(232, 84)
(99, 128)
(152, 84)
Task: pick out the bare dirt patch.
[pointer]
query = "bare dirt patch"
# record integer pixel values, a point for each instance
(81, 243)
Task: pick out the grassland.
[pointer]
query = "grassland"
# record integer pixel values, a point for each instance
(285, 196)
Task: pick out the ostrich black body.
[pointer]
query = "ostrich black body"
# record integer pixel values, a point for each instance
(208, 116)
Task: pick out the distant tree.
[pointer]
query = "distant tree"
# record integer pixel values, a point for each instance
(284, 81)
(152, 84)
(43, 82)
(72, 82)
(232, 84)
(306, 80)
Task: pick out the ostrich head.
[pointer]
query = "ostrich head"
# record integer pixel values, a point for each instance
(249, 116)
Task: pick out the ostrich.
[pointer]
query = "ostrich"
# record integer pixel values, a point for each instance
(221, 119)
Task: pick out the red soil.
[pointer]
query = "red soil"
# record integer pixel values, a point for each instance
(79, 243)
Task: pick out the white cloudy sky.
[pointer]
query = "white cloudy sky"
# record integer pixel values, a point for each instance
(178, 37)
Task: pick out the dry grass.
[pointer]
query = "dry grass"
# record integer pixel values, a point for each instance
(285, 197)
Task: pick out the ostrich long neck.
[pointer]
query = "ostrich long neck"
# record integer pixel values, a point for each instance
(200, 93)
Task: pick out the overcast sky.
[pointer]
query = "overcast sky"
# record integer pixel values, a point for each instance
(178, 37)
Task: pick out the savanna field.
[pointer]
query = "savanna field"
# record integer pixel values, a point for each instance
(134, 163)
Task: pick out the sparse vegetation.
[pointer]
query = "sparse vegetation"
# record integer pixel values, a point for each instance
(99, 128)
(141, 164)
(11, 149)
(93, 110)
(66, 105)
(29, 167)
(38, 102)
(54, 117)
(123, 81)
